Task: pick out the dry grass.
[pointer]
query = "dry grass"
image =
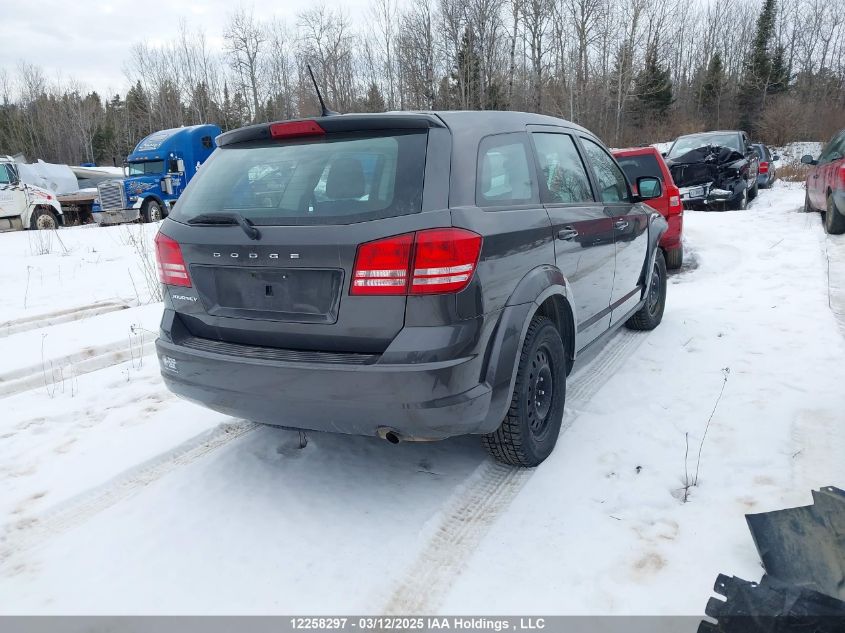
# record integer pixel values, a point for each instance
(793, 172)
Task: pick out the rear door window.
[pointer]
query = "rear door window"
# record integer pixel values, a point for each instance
(337, 179)
(504, 171)
(611, 180)
(562, 169)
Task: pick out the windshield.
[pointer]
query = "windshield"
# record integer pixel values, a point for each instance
(145, 168)
(336, 180)
(694, 141)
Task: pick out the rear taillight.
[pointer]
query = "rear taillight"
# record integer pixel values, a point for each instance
(764, 168)
(294, 129)
(170, 263)
(675, 204)
(444, 260)
(426, 262)
(842, 177)
(381, 267)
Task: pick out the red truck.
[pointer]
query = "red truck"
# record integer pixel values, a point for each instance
(826, 184)
(647, 161)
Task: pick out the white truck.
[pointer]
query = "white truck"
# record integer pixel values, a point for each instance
(25, 206)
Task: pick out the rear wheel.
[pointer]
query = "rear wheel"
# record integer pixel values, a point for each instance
(752, 193)
(674, 258)
(43, 220)
(651, 314)
(834, 221)
(151, 211)
(529, 431)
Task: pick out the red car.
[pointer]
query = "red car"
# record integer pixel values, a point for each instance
(826, 184)
(647, 161)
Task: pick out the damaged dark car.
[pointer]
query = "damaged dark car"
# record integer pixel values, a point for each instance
(714, 170)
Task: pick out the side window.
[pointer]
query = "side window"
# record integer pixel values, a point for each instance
(504, 171)
(839, 147)
(562, 169)
(5, 176)
(612, 184)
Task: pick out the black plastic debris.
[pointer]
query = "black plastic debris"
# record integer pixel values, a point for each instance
(805, 546)
(771, 607)
(802, 591)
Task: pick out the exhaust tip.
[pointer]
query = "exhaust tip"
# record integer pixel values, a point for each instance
(389, 434)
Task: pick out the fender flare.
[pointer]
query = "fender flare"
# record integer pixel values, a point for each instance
(657, 226)
(144, 197)
(506, 344)
(54, 205)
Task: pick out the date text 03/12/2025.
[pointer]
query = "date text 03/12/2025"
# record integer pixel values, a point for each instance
(400, 623)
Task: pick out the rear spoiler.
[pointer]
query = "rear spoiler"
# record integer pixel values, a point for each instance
(339, 123)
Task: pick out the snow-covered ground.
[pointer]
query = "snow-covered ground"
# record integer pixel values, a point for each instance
(118, 498)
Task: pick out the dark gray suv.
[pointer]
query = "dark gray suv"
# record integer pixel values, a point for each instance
(413, 276)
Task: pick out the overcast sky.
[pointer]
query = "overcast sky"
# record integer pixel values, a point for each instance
(89, 39)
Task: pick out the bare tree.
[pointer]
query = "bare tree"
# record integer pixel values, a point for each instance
(245, 42)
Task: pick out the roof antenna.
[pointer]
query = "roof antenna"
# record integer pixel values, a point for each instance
(324, 111)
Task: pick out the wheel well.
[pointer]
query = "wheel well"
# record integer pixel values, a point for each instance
(557, 309)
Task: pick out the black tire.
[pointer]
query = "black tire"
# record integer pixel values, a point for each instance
(151, 211)
(651, 314)
(43, 220)
(752, 192)
(674, 258)
(834, 221)
(528, 433)
(740, 202)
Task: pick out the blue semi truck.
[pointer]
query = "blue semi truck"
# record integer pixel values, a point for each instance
(157, 172)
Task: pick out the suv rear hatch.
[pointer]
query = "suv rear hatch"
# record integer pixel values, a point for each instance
(270, 227)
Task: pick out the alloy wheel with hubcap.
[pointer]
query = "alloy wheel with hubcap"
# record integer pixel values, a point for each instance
(151, 212)
(44, 221)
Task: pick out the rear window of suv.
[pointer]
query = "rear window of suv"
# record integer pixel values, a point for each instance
(336, 179)
(640, 166)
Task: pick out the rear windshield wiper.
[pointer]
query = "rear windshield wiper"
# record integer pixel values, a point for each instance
(229, 217)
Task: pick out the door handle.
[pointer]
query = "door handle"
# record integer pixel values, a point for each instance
(621, 225)
(567, 234)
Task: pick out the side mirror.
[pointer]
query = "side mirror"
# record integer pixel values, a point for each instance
(649, 188)
(664, 154)
(176, 166)
(775, 157)
(808, 160)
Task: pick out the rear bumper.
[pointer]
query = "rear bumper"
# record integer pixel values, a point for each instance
(418, 401)
(708, 195)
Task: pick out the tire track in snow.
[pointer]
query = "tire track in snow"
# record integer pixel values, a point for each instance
(29, 532)
(487, 494)
(34, 322)
(92, 358)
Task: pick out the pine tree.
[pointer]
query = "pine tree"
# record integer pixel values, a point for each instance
(757, 78)
(652, 89)
(711, 91)
(780, 75)
(373, 102)
(467, 74)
